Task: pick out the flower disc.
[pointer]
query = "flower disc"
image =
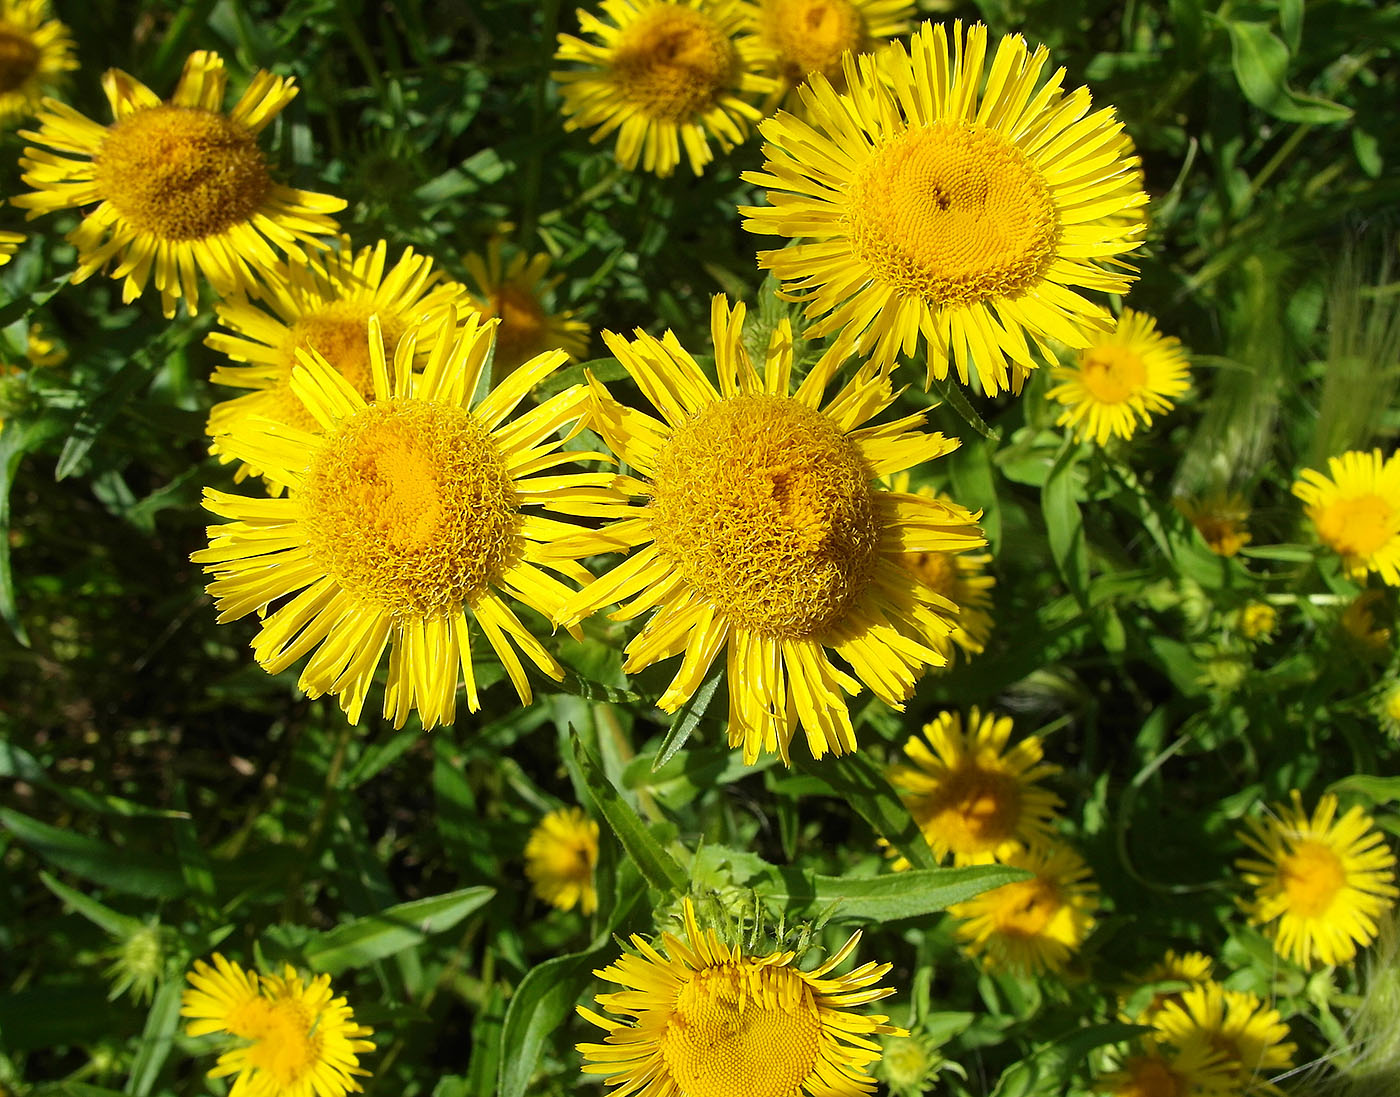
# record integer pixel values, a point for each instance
(674, 62)
(19, 57)
(811, 35)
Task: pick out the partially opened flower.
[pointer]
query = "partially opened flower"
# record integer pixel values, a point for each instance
(706, 1019)
(1252, 1035)
(1319, 882)
(514, 293)
(1357, 511)
(403, 517)
(1221, 519)
(324, 306)
(36, 51)
(970, 795)
(1122, 377)
(291, 1038)
(764, 535)
(806, 36)
(1033, 925)
(666, 76)
(179, 187)
(560, 857)
(936, 211)
(9, 244)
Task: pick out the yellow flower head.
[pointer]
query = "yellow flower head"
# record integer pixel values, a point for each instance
(806, 36)
(1032, 925)
(1193, 1070)
(35, 52)
(514, 294)
(9, 244)
(1387, 708)
(1130, 373)
(706, 1020)
(560, 857)
(1191, 968)
(1363, 626)
(1237, 1023)
(1319, 883)
(1357, 512)
(971, 796)
(325, 307)
(1257, 620)
(665, 75)
(765, 534)
(178, 186)
(1220, 519)
(935, 212)
(400, 517)
(293, 1039)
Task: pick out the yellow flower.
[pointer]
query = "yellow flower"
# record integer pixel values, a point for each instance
(1220, 519)
(1387, 709)
(937, 213)
(1319, 885)
(9, 244)
(765, 535)
(178, 186)
(1131, 373)
(1032, 925)
(665, 76)
(513, 293)
(707, 1020)
(807, 36)
(1193, 1070)
(1250, 1034)
(1257, 620)
(1191, 968)
(560, 857)
(42, 349)
(1363, 627)
(294, 1038)
(961, 578)
(405, 514)
(971, 796)
(35, 52)
(1357, 511)
(323, 307)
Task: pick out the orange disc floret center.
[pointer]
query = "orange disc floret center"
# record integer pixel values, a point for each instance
(742, 1030)
(289, 1047)
(182, 173)
(1027, 907)
(936, 570)
(811, 35)
(1312, 876)
(338, 333)
(765, 507)
(1113, 375)
(954, 214)
(673, 62)
(409, 505)
(19, 57)
(1357, 526)
(523, 328)
(1150, 1078)
(976, 810)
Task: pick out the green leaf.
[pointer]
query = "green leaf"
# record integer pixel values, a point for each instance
(127, 870)
(1260, 60)
(658, 867)
(156, 1039)
(392, 930)
(914, 894)
(688, 717)
(1378, 790)
(855, 779)
(118, 925)
(16, 440)
(1064, 523)
(102, 409)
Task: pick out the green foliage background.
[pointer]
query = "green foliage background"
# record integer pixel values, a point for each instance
(150, 771)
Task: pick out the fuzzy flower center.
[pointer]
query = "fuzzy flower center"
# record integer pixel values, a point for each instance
(765, 507)
(976, 810)
(286, 1045)
(19, 57)
(338, 332)
(182, 173)
(935, 570)
(1312, 876)
(1358, 526)
(742, 1030)
(811, 35)
(1027, 907)
(953, 214)
(523, 328)
(673, 62)
(1113, 375)
(409, 505)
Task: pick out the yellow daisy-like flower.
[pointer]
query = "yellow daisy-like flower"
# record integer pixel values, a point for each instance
(324, 306)
(1032, 925)
(807, 36)
(42, 349)
(560, 857)
(765, 535)
(1238, 1023)
(1131, 373)
(1357, 512)
(514, 294)
(935, 212)
(294, 1038)
(1387, 709)
(706, 1020)
(1320, 883)
(179, 186)
(1256, 620)
(1193, 1070)
(971, 796)
(35, 52)
(961, 578)
(1220, 519)
(9, 244)
(402, 516)
(1191, 968)
(664, 76)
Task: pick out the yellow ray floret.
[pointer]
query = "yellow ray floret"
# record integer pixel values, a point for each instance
(1252, 1035)
(801, 37)
(35, 53)
(765, 535)
(666, 76)
(1221, 518)
(560, 857)
(935, 210)
(322, 306)
(403, 517)
(1122, 377)
(179, 186)
(1357, 511)
(1192, 1069)
(704, 1019)
(514, 294)
(9, 244)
